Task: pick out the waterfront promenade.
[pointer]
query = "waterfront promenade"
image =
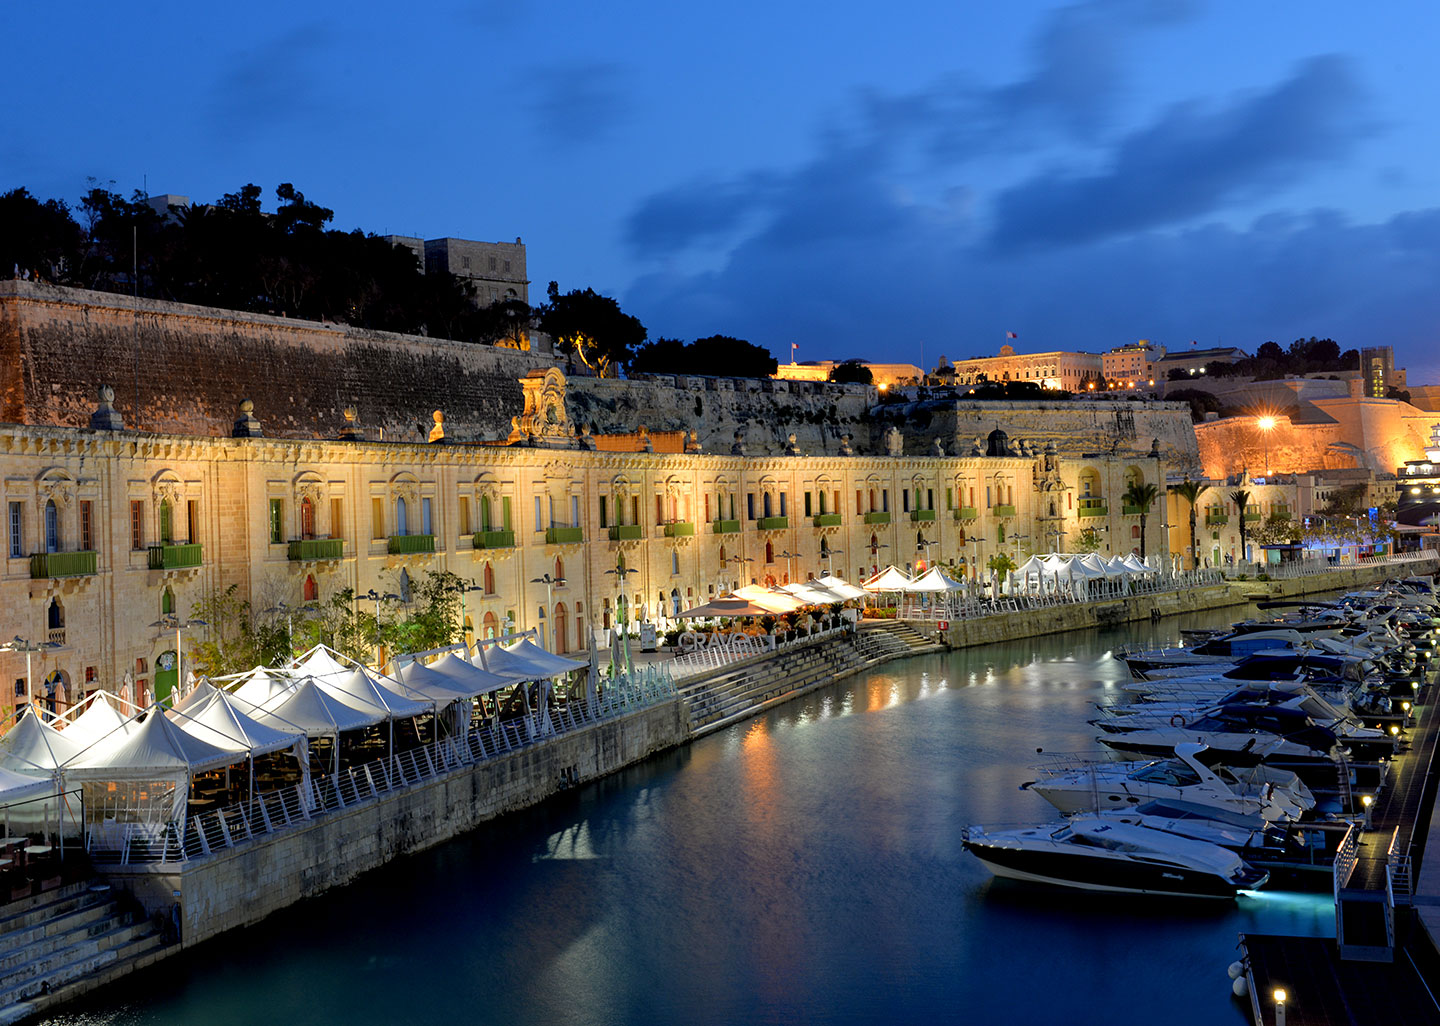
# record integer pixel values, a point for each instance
(415, 813)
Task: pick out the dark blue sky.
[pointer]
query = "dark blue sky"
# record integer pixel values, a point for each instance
(853, 178)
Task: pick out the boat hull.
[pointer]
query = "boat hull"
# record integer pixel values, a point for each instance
(1089, 873)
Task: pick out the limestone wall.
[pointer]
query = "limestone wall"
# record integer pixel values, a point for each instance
(182, 369)
(245, 884)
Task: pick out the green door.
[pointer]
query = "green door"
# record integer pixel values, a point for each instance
(166, 676)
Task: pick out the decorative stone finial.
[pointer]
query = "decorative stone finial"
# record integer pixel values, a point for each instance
(1155, 448)
(350, 430)
(645, 444)
(894, 441)
(106, 417)
(586, 437)
(437, 433)
(692, 443)
(793, 448)
(738, 449)
(246, 426)
(937, 449)
(845, 449)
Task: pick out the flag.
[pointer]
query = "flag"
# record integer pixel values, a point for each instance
(1011, 334)
(1192, 343)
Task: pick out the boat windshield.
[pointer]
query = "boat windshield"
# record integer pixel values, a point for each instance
(1174, 774)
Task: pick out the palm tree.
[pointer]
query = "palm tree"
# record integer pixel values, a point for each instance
(1190, 492)
(1241, 498)
(1140, 496)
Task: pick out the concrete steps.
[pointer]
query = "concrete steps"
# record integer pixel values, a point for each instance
(53, 944)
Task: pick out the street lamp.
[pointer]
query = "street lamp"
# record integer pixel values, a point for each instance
(305, 611)
(172, 622)
(825, 554)
(464, 587)
(550, 584)
(1266, 425)
(1280, 999)
(739, 562)
(377, 598)
(787, 555)
(619, 573)
(19, 644)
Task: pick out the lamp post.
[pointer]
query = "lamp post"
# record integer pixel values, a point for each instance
(19, 644)
(788, 556)
(306, 611)
(464, 587)
(377, 598)
(826, 554)
(619, 573)
(550, 585)
(172, 622)
(1280, 998)
(1266, 425)
(739, 562)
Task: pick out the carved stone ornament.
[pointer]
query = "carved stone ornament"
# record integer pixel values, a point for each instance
(246, 425)
(894, 441)
(167, 490)
(544, 421)
(106, 417)
(437, 433)
(60, 490)
(350, 430)
(308, 490)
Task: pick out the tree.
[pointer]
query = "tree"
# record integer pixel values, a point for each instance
(1089, 540)
(1190, 491)
(1141, 495)
(1241, 498)
(1277, 529)
(851, 372)
(1345, 501)
(35, 236)
(1201, 402)
(592, 327)
(716, 355)
(1002, 564)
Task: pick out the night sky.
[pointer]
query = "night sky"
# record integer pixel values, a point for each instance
(860, 179)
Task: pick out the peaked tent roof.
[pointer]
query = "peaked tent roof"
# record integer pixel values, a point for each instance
(812, 593)
(437, 687)
(18, 787)
(33, 746)
(266, 687)
(935, 580)
(359, 689)
(528, 661)
(469, 678)
(316, 712)
(220, 721)
(774, 601)
(1133, 562)
(102, 719)
(156, 746)
(722, 605)
(889, 579)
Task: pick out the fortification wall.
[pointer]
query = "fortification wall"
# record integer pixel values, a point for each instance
(1075, 426)
(182, 369)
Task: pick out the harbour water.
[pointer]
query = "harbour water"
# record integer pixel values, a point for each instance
(804, 866)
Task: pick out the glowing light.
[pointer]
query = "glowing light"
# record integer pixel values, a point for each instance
(1368, 800)
(1265, 423)
(1394, 730)
(1280, 995)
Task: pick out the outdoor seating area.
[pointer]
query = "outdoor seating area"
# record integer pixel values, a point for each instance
(243, 755)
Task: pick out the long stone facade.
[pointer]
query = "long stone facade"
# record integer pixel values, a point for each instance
(108, 530)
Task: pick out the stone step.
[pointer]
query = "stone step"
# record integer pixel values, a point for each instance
(53, 969)
(138, 953)
(23, 945)
(28, 911)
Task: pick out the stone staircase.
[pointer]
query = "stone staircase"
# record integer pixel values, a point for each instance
(754, 685)
(54, 945)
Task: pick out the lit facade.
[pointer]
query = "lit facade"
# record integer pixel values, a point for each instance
(1058, 370)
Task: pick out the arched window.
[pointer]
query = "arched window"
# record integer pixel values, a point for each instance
(675, 602)
(167, 602)
(312, 590)
(723, 558)
(52, 527)
(166, 523)
(765, 503)
(490, 625)
(605, 613)
(484, 512)
(561, 642)
(769, 551)
(55, 615)
(469, 630)
(674, 562)
(559, 570)
(489, 578)
(307, 518)
(402, 521)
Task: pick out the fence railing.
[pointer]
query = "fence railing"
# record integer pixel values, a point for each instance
(206, 833)
(690, 664)
(1316, 567)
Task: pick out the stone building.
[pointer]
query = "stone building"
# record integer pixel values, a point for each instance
(1132, 366)
(1049, 370)
(495, 269)
(110, 528)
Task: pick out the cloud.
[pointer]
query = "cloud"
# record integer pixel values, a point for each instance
(1191, 160)
(578, 104)
(273, 82)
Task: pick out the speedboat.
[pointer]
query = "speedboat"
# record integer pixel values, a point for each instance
(1271, 793)
(1242, 733)
(1093, 853)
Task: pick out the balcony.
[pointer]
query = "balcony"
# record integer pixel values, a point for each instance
(680, 529)
(1092, 507)
(1252, 518)
(175, 557)
(918, 515)
(877, 518)
(725, 527)
(1216, 519)
(564, 535)
(626, 532)
(316, 548)
(493, 540)
(1132, 511)
(410, 544)
(827, 519)
(967, 513)
(772, 523)
(1003, 511)
(62, 564)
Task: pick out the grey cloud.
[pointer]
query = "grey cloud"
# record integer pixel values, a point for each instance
(1190, 161)
(270, 83)
(579, 104)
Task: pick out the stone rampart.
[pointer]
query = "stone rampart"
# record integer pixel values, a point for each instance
(245, 884)
(182, 369)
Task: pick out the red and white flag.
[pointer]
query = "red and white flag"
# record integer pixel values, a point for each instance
(1011, 334)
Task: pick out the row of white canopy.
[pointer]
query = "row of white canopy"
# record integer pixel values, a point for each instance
(1089, 566)
(784, 598)
(270, 710)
